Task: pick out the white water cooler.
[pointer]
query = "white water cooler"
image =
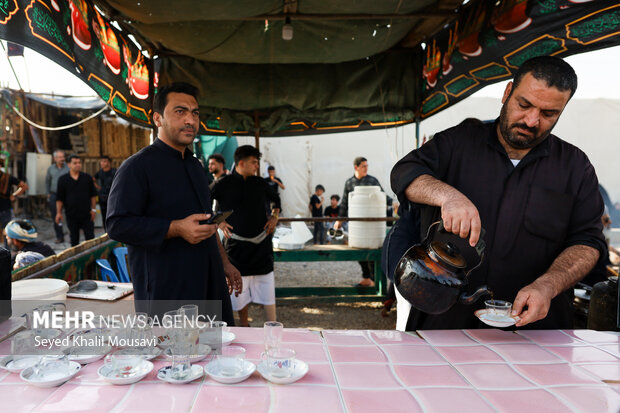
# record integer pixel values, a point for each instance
(367, 202)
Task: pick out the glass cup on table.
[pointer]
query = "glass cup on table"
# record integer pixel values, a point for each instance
(231, 361)
(183, 346)
(124, 363)
(280, 362)
(273, 334)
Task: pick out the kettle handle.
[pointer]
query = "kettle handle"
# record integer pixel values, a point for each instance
(480, 246)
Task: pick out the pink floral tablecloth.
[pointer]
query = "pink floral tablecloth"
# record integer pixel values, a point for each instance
(372, 371)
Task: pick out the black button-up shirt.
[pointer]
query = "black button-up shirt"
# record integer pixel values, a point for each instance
(531, 212)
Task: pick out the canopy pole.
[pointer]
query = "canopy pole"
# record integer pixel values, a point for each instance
(256, 130)
(417, 133)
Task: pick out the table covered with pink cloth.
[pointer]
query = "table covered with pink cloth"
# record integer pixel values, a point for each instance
(371, 371)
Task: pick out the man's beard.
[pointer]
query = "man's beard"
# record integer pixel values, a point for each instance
(515, 139)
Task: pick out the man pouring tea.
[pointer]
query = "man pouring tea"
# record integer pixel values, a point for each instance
(535, 195)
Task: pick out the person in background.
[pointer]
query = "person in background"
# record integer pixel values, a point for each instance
(249, 244)
(333, 209)
(7, 196)
(21, 235)
(360, 178)
(77, 195)
(55, 171)
(217, 167)
(273, 181)
(26, 258)
(316, 208)
(103, 182)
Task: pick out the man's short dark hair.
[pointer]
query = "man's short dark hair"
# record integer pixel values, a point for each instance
(336, 197)
(218, 158)
(319, 186)
(161, 98)
(246, 151)
(271, 168)
(72, 157)
(552, 70)
(105, 157)
(358, 161)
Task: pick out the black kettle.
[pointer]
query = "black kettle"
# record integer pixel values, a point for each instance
(431, 275)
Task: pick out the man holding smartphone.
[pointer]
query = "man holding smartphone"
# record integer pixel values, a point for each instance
(157, 203)
(249, 243)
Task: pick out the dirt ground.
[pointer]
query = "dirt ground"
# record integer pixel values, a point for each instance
(308, 313)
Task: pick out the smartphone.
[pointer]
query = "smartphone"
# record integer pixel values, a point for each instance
(217, 218)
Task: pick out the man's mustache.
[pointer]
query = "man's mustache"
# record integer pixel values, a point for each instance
(534, 130)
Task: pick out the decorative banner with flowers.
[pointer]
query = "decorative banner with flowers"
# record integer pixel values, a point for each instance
(75, 35)
(490, 40)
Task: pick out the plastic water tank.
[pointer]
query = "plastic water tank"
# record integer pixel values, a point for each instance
(367, 202)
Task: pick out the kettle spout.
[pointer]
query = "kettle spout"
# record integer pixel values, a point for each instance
(470, 299)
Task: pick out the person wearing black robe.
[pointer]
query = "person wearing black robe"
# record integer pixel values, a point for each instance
(157, 202)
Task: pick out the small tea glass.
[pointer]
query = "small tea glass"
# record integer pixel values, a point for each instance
(124, 363)
(52, 365)
(273, 334)
(231, 361)
(280, 362)
(498, 309)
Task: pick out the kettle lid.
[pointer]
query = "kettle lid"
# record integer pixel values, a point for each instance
(448, 253)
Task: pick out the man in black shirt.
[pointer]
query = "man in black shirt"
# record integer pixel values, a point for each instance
(217, 166)
(249, 244)
(158, 203)
(272, 180)
(535, 195)
(21, 234)
(316, 208)
(77, 194)
(103, 182)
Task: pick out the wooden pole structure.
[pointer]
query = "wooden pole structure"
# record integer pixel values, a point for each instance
(256, 130)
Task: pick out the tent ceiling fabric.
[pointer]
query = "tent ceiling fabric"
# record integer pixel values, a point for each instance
(345, 63)
(210, 32)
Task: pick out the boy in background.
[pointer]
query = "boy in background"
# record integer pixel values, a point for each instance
(316, 207)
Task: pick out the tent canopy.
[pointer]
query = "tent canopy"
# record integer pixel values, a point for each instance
(350, 64)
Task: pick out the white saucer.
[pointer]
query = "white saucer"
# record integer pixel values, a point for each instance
(505, 321)
(15, 364)
(50, 378)
(164, 375)
(106, 373)
(214, 371)
(299, 371)
(227, 338)
(203, 351)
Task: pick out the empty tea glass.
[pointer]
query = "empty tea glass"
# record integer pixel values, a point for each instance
(231, 361)
(280, 362)
(124, 363)
(51, 365)
(273, 334)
